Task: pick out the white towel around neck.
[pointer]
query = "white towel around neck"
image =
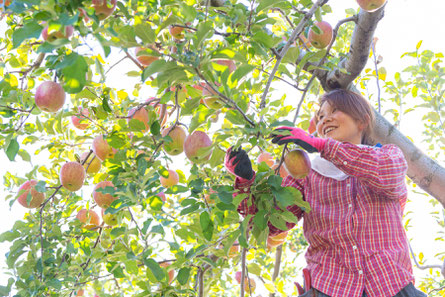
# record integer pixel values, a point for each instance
(326, 168)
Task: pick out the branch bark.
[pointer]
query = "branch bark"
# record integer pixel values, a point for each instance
(422, 170)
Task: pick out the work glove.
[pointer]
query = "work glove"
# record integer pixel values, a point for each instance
(238, 163)
(298, 136)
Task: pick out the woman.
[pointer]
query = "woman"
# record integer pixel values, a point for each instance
(357, 193)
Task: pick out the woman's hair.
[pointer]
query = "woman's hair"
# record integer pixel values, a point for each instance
(355, 105)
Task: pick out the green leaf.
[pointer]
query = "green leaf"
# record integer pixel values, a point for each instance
(105, 105)
(217, 157)
(12, 149)
(9, 236)
(154, 267)
(55, 283)
(241, 72)
(199, 118)
(155, 67)
(260, 219)
(277, 221)
(74, 73)
(205, 29)
(25, 155)
(266, 4)
(29, 30)
(116, 232)
(206, 225)
(189, 209)
(183, 275)
(264, 39)
(145, 32)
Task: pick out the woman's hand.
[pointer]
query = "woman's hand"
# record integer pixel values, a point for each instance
(298, 136)
(238, 163)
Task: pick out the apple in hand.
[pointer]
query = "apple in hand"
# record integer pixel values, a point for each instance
(178, 135)
(101, 148)
(194, 143)
(63, 32)
(144, 57)
(297, 163)
(81, 122)
(171, 180)
(104, 8)
(88, 217)
(72, 176)
(26, 188)
(370, 5)
(141, 115)
(50, 96)
(103, 200)
(323, 39)
(92, 164)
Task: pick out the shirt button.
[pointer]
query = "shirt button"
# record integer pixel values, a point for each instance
(354, 247)
(348, 185)
(345, 163)
(360, 272)
(350, 205)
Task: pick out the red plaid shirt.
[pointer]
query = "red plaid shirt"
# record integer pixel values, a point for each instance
(355, 232)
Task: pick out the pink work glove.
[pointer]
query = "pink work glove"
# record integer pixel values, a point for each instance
(238, 163)
(308, 142)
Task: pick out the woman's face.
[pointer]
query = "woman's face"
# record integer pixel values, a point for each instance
(335, 124)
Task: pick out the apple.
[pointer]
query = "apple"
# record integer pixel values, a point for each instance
(101, 148)
(144, 58)
(194, 143)
(171, 180)
(283, 173)
(80, 292)
(109, 218)
(246, 282)
(162, 196)
(226, 62)
(36, 197)
(211, 99)
(72, 176)
(312, 125)
(171, 273)
(303, 41)
(63, 32)
(178, 135)
(176, 32)
(274, 241)
(238, 277)
(141, 115)
(234, 250)
(209, 198)
(267, 158)
(80, 122)
(102, 199)
(104, 8)
(92, 164)
(323, 39)
(50, 96)
(297, 163)
(89, 218)
(370, 5)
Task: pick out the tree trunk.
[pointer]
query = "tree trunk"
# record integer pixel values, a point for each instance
(422, 170)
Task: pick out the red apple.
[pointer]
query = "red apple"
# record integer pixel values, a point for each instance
(370, 5)
(144, 57)
(171, 180)
(267, 158)
(80, 122)
(171, 273)
(226, 62)
(63, 32)
(178, 135)
(89, 218)
(72, 176)
(238, 277)
(323, 39)
(102, 199)
(162, 196)
(194, 143)
(234, 250)
(297, 163)
(50, 96)
(92, 164)
(80, 292)
(141, 115)
(101, 148)
(36, 197)
(104, 8)
(177, 32)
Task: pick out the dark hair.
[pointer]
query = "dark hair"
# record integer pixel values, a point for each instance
(355, 105)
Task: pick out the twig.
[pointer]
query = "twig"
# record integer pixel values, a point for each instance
(134, 60)
(423, 267)
(25, 119)
(376, 74)
(276, 270)
(252, 2)
(285, 16)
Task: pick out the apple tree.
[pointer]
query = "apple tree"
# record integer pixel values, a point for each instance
(125, 109)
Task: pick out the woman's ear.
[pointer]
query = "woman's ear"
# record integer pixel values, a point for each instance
(364, 123)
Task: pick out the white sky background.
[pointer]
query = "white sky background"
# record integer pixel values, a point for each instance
(404, 24)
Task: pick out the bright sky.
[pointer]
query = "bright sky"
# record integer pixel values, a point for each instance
(404, 24)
